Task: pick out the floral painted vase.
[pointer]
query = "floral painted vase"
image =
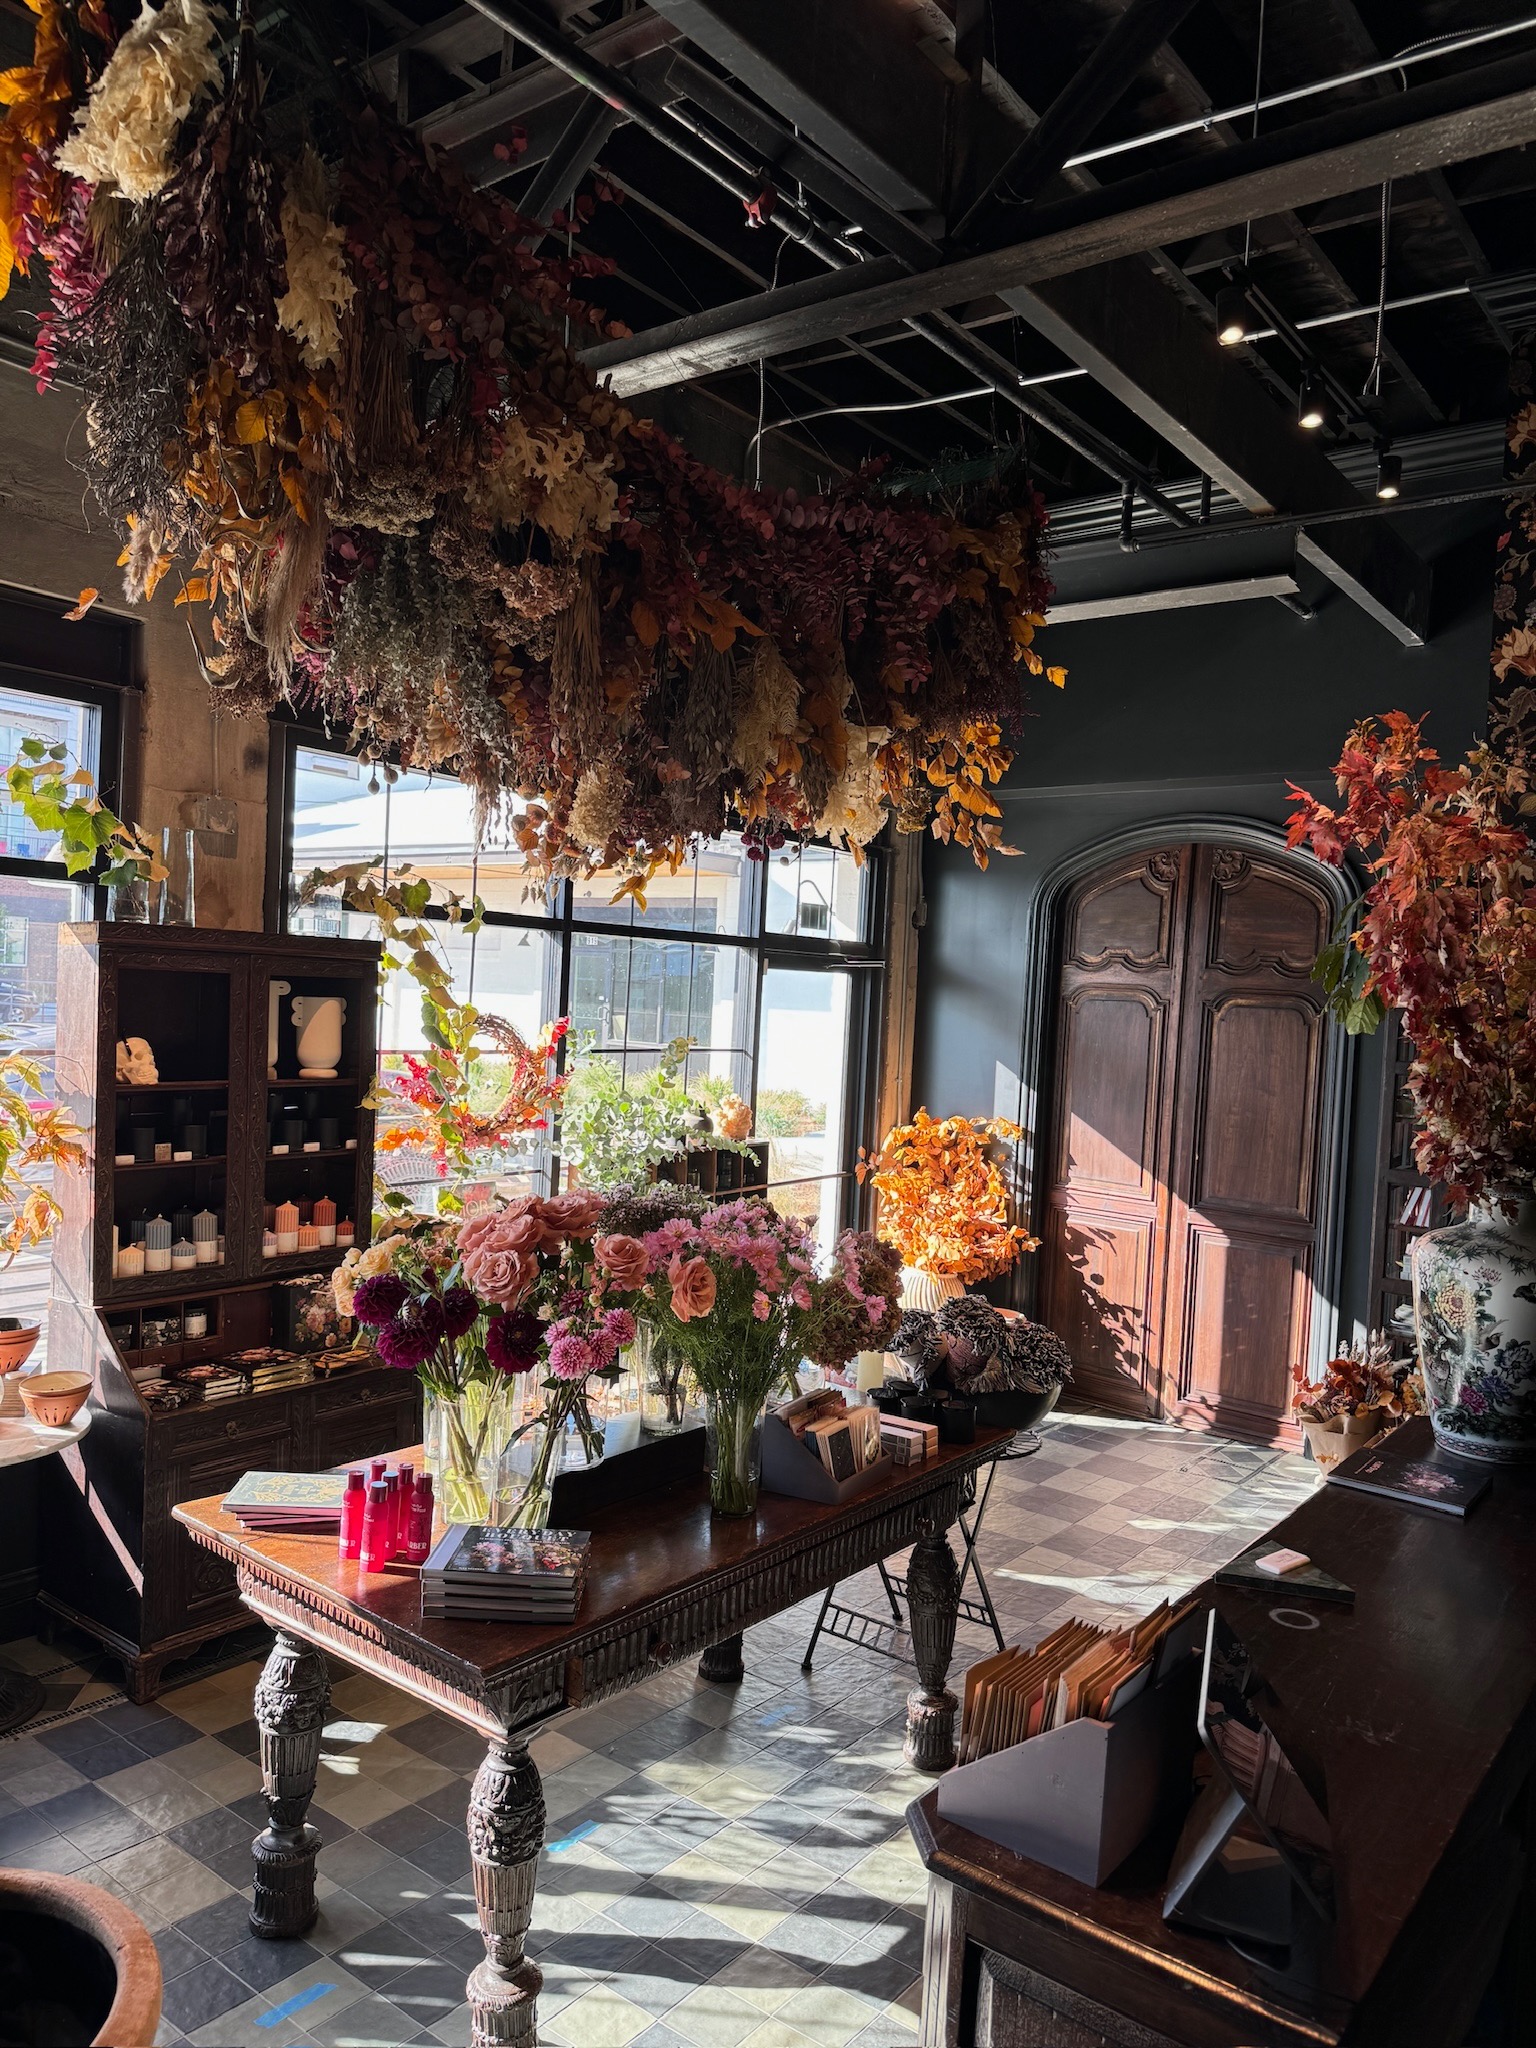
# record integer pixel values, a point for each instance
(1474, 1306)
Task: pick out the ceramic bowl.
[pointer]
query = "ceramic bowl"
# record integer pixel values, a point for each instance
(55, 1398)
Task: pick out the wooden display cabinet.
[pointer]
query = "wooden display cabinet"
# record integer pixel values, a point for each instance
(112, 1561)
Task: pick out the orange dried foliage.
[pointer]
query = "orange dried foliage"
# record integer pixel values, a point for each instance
(944, 1203)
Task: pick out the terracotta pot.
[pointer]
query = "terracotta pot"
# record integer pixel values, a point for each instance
(122, 1942)
(55, 1398)
(16, 1347)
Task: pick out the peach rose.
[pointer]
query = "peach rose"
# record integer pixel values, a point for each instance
(573, 1214)
(500, 1276)
(693, 1288)
(623, 1259)
(524, 1235)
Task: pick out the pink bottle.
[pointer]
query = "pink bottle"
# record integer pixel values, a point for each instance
(354, 1506)
(407, 1476)
(419, 1540)
(375, 1553)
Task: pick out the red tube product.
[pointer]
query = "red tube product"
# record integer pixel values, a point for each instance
(349, 1542)
(392, 1483)
(407, 1496)
(375, 1553)
(419, 1540)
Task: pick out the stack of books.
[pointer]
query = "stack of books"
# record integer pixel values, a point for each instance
(480, 1573)
(299, 1503)
(1078, 1670)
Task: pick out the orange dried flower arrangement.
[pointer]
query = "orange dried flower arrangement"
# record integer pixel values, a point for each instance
(944, 1203)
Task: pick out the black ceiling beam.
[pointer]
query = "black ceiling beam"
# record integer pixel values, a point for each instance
(1472, 113)
(1162, 360)
(1079, 108)
(554, 183)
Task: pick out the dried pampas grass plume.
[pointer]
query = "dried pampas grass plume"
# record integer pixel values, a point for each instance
(319, 288)
(769, 712)
(124, 132)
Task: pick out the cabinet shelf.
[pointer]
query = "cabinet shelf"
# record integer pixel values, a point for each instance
(168, 1087)
(201, 999)
(173, 1165)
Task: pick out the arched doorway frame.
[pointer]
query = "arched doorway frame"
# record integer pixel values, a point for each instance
(1037, 1048)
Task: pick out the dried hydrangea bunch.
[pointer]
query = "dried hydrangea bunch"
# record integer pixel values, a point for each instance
(1036, 1357)
(976, 1335)
(921, 1346)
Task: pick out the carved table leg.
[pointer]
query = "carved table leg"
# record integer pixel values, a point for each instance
(293, 1696)
(721, 1663)
(506, 1832)
(933, 1596)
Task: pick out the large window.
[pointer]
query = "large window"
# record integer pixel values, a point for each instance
(36, 898)
(771, 968)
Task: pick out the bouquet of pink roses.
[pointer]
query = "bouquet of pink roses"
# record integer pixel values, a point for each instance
(473, 1307)
(736, 1291)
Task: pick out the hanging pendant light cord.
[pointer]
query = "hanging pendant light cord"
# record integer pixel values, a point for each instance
(1258, 94)
(1373, 381)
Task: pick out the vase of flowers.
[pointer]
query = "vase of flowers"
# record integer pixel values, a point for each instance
(944, 1205)
(734, 1290)
(510, 1319)
(1362, 1392)
(1447, 936)
(665, 1383)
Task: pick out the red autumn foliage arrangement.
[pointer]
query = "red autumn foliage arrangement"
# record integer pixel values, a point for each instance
(1447, 936)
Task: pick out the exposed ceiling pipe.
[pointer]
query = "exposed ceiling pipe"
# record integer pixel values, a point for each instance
(1420, 54)
(663, 126)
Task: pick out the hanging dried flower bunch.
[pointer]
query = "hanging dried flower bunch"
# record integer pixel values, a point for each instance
(328, 395)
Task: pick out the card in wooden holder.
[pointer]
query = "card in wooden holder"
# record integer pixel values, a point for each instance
(791, 1466)
(1081, 1797)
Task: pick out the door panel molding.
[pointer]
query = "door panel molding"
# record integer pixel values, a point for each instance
(1249, 932)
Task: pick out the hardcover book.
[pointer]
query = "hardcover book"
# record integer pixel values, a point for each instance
(1414, 1480)
(491, 1559)
(1243, 1570)
(289, 1497)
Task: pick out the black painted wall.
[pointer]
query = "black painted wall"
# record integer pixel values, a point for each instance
(1168, 717)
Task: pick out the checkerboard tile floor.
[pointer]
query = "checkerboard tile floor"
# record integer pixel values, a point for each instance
(725, 1866)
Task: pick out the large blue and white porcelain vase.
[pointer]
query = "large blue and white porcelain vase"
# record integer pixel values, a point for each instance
(1474, 1307)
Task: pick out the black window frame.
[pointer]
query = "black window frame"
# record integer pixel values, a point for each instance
(866, 959)
(107, 700)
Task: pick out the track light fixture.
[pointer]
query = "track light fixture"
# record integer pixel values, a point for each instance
(1234, 315)
(1389, 474)
(1312, 408)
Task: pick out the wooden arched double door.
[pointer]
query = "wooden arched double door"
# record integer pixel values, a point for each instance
(1181, 1227)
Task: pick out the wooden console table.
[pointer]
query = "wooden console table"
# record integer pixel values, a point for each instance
(667, 1581)
(1414, 1713)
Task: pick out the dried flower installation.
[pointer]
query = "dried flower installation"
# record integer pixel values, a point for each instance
(329, 396)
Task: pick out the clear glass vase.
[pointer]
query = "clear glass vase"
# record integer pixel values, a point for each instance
(733, 1427)
(558, 1433)
(471, 1441)
(666, 1384)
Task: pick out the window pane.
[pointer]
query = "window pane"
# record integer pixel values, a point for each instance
(30, 915)
(801, 1078)
(25, 716)
(713, 891)
(508, 973)
(815, 892)
(631, 997)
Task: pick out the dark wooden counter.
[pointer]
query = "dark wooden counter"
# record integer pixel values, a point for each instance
(1413, 1713)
